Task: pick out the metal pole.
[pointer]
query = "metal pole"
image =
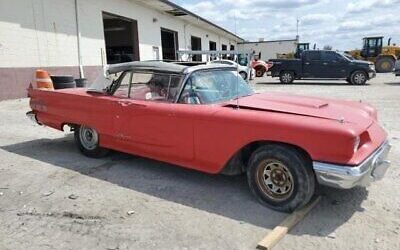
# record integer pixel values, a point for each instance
(78, 34)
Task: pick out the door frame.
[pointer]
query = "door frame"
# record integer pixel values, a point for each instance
(135, 32)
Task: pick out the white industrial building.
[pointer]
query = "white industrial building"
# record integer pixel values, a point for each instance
(267, 50)
(78, 37)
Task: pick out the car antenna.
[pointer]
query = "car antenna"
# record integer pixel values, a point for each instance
(237, 66)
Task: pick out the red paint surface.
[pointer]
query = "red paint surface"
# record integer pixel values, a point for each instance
(205, 137)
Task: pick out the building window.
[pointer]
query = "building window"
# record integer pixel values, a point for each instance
(169, 44)
(213, 45)
(196, 45)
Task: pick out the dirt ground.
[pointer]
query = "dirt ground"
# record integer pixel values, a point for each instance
(52, 197)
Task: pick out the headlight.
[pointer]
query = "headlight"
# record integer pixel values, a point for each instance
(372, 66)
(356, 143)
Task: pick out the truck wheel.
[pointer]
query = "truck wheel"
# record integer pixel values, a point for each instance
(359, 78)
(243, 75)
(281, 177)
(286, 77)
(260, 71)
(384, 65)
(87, 140)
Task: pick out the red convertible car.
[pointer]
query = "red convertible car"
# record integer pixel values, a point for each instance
(207, 118)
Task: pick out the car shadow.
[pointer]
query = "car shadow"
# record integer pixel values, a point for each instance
(393, 83)
(228, 196)
(336, 83)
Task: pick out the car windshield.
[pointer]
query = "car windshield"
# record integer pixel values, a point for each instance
(213, 86)
(347, 56)
(102, 82)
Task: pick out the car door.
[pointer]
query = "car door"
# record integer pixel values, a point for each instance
(154, 127)
(312, 64)
(332, 65)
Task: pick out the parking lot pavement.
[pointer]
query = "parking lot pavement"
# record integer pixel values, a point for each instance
(52, 197)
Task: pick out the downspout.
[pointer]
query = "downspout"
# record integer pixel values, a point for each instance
(78, 35)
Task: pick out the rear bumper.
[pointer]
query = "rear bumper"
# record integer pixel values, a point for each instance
(345, 177)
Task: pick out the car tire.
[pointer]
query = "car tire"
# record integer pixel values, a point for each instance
(384, 64)
(243, 75)
(260, 71)
(281, 177)
(359, 78)
(64, 85)
(286, 77)
(88, 141)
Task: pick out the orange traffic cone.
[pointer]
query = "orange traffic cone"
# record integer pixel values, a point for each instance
(43, 80)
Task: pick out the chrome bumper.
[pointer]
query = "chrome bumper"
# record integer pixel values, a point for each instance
(371, 75)
(345, 177)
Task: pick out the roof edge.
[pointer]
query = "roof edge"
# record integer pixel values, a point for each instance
(173, 5)
(270, 41)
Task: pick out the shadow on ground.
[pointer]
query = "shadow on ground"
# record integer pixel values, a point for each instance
(319, 83)
(393, 83)
(223, 195)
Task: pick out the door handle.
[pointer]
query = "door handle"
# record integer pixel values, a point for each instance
(325, 63)
(307, 63)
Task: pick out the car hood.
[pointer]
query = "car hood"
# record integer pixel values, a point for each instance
(342, 111)
(362, 62)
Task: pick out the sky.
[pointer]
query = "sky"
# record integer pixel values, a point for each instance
(338, 23)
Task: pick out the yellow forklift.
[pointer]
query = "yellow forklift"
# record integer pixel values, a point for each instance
(373, 50)
(299, 49)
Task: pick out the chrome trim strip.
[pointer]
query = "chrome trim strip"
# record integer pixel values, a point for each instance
(342, 176)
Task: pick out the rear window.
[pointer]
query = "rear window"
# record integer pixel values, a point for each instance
(313, 55)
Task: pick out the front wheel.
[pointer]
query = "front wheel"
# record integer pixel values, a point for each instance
(281, 177)
(359, 78)
(88, 140)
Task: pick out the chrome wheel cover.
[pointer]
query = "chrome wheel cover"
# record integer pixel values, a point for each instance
(88, 137)
(286, 77)
(275, 180)
(359, 78)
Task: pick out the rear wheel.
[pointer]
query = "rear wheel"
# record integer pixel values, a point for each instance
(260, 71)
(359, 78)
(88, 140)
(281, 177)
(286, 77)
(384, 64)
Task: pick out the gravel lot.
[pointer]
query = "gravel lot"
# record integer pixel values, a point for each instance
(52, 197)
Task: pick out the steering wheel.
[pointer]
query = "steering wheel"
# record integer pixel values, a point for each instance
(191, 94)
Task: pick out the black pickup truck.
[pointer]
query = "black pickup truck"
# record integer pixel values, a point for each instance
(323, 64)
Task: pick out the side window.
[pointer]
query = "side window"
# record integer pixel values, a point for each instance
(329, 56)
(313, 55)
(123, 90)
(154, 87)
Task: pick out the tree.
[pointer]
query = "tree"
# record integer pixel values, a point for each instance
(327, 47)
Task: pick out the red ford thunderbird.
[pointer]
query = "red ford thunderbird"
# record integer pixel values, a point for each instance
(207, 118)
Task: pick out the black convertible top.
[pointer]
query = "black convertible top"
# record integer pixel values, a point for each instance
(147, 66)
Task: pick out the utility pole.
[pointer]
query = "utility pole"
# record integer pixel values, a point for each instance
(297, 29)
